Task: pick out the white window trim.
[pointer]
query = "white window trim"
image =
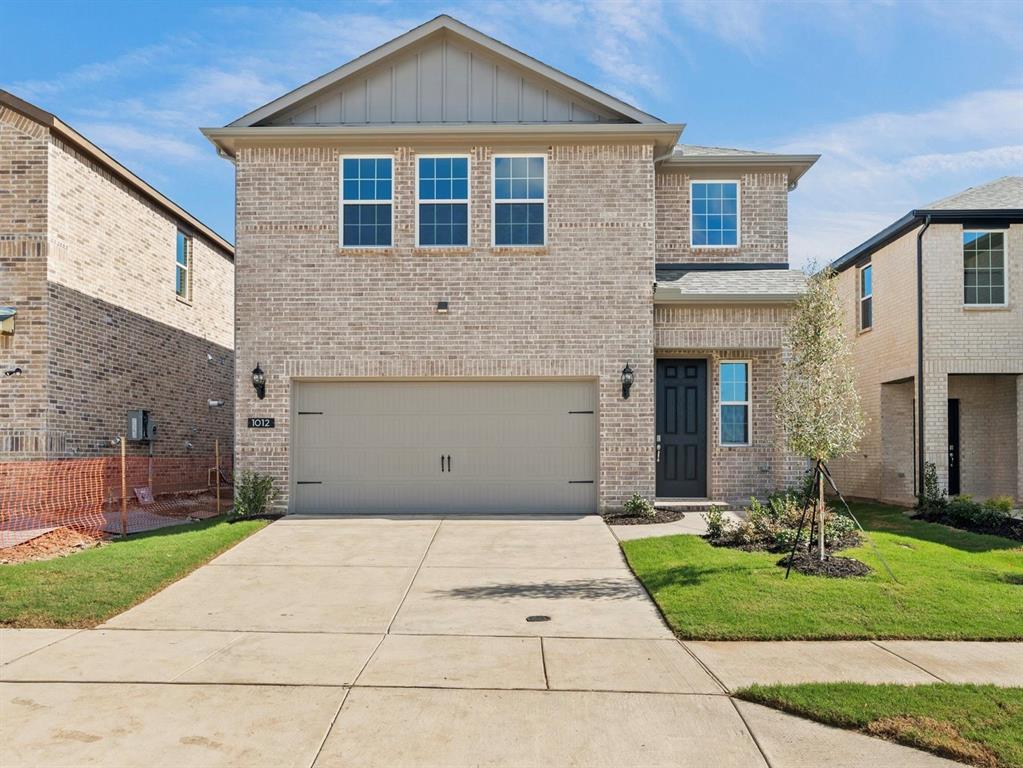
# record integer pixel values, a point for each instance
(494, 201)
(862, 297)
(341, 202)
(467, 200)
(1005, 268)
(186, 267)
(738, 213)
(748, 402)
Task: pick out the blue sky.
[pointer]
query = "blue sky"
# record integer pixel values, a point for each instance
(906, 101)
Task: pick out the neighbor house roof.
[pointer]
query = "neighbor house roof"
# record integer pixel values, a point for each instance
(995, 204)
(692, 156)
(71, 136)
(715, 286)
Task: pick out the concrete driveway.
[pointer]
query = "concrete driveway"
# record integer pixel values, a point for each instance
(397, 642)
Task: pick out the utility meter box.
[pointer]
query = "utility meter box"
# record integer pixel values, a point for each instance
(140, 426)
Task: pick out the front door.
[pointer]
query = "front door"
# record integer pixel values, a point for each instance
(953, 448)
(681, 428)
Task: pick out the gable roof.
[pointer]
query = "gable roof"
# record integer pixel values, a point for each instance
(692, 155)
(68, 134)
(614, 110)
(998, 203)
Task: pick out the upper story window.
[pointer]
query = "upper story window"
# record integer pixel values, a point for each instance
(714, 214)
(866, 297)
(520, 200)
(733, 380)
(443, 201)
(183, 267)
(366, 202)
(984, 269)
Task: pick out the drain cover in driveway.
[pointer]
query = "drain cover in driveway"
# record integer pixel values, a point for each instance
(538, 618)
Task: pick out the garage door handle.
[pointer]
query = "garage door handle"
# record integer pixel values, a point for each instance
(442, 462)
(449, 462)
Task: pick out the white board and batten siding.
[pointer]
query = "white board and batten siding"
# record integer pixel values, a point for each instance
(444, 447)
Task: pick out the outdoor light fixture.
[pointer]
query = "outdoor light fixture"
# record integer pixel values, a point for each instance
(214, 403)
(259, 381)
(442, 307)
(12, 372)
(627, 378)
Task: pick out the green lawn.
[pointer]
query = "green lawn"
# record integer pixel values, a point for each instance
(952, 585)
(86, 588)
(978, 724)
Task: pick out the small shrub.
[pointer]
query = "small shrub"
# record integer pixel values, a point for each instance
(1001, 504)
(718, 526)
(772, 526)
(253, 494)
(639, 506)
(963, 512)
(933, 499)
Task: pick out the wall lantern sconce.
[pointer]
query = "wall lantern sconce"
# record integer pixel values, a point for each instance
(12, 372)
(627, 378)
(259, 381)
(442, 307)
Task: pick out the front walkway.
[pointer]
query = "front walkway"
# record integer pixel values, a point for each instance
(374, 642)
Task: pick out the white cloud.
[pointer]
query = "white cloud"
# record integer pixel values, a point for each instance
(877, 167)
(118, 140)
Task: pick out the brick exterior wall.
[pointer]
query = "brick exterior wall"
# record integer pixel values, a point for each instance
(100, 329)
(755, 333)
(579, 307)
(987, 434)
(957, 340)
(763, 218)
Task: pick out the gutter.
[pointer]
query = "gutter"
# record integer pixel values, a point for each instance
(796, 165)
(664, 295)
(922, 455)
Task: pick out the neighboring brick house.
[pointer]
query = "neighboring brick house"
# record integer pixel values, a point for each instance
(112, 298)
(452, 257)
(969, 397)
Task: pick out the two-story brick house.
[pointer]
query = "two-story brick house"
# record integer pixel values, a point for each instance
(112, 298)
(474, 283)
(934, 308)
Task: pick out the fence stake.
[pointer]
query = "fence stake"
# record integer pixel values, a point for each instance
(124, 486)
(216, 452)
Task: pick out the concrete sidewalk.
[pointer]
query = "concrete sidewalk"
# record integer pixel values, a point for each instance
(374, 642)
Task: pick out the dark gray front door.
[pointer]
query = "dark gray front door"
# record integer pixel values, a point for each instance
(954, 481)
(682, 428)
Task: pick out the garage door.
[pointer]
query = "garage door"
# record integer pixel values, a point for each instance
(444, 447)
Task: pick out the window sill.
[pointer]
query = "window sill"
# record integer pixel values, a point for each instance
(986, 307)
(182, 300)
(862, 331)
(735, 247)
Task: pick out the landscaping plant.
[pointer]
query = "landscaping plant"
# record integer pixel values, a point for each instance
(254, 494)
(639, 506)
(816, 402)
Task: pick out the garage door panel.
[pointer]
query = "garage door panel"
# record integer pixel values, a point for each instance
(377, 446)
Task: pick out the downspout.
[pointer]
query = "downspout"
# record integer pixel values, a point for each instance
(922, 454)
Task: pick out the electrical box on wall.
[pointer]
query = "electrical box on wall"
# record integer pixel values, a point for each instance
(140, 426)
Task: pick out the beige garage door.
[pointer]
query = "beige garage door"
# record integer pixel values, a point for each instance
(444, 447)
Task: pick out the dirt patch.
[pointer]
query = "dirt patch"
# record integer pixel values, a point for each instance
(657, 516)
(57, 543)
(935, 735)
(833, 567)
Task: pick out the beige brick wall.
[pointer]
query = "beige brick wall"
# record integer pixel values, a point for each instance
(580, 307)
(23, 209)
(763, 218)
(958, 340)
(728, 332)
(100, 329)
(989, 463)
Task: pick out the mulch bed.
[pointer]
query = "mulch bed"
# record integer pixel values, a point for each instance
(810, 564)
(57, 543)
(658, 516)
(264, 516)
(1008, 527)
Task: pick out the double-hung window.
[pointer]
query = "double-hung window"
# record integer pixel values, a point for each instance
(733, 380)
(183, 267)
(714, 216)
(866, 297)
(366, 200)
(443, 201)
(520, 200)
(984, 269)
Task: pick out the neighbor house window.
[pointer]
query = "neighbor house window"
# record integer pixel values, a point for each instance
(866, 298)
(734, 383)
(366, 199)
(443, 204)
(183, 267)
(984, 269)
(715, 213)
(520, 197)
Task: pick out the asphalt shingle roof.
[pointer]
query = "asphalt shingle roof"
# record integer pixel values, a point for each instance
(754, 283)
(694, 150)
(1006, 192)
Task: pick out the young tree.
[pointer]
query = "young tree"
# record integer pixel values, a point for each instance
(817, 404)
